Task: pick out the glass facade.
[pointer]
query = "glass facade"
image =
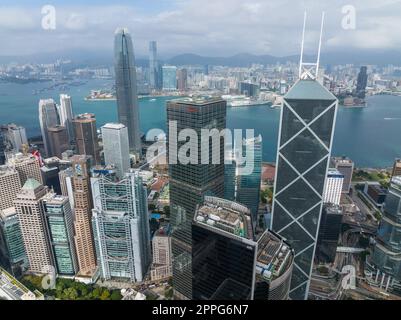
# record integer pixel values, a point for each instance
(223, 265)
(190, 182)
(387, 251)
(169, 74)
(11, 241)
(60, 224)
(126, 90)
(121, 226)
(305, 138)
(248, 191)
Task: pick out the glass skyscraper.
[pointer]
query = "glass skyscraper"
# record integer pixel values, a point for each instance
(386, 256)
(190, 182)
(154, 73)
(248, 190)
(169, 74)
(121, 226)
(61, 232)
(127, 100)
(304, 147)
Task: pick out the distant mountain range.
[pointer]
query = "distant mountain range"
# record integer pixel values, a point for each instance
(96, 58)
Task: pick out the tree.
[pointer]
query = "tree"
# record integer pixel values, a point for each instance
(105, 295)
(116, 295)
(151, 207)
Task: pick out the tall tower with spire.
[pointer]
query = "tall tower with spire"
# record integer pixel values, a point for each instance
(304, 147)
(126, 89)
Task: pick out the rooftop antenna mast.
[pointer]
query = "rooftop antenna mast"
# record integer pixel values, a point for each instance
(310, 70)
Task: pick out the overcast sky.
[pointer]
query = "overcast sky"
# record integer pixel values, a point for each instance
(206, 27)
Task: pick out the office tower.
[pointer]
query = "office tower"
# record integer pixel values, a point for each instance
(228, 264)
(50, 177)
(86, 139)
(60, 224)
(230, 177)
(169, 78)
(249, 89)
(116, 147)
(190, 182)
(153, 65)
(27, 166)
(182, 79)
(362, 82)
(127, 100)
(48, 117)
(304, 147)
(161, 249)
(10, 185)
(346, 167)
(385, 258)
(396, 168)
(329, 232)
(31, 214)
(12, 249)
(248, 188)
(79, 185)
(333, 187)
(67, 115)
(16, 136)
(121, 226)
(58, 140)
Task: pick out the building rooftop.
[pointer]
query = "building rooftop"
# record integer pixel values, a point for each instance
(198, 100)
(334, 173)
(274, 256)
(116, 126)
(12, 289)
(310, 90)
(7, 213)
(31, 184)
(225, 215)
(6, 170)
(396, 180)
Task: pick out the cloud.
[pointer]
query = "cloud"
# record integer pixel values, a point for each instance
(214, 28)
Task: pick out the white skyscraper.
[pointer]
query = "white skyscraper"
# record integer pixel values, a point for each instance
(333, 187)
(48, 117)
(16, 136)
(116, 147)
(66, 114)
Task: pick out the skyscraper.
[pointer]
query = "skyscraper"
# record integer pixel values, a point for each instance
(27, 166)
(346, 167)
(333, 187)
(86, 136)
(169, 78)
(385, 258)
(31, 214)
(190, 182)
(116, 147)
(248, 189)
(362, 82)
(16, 136)
(12, 247)
(48, 117)
(66, 115)
(182, 83)
(127, 100)
(121, 226)
(58, 140)
(153, 65)
(304, 147)
(60, 224)
(79, 185)
(227, 262)
(10, 186)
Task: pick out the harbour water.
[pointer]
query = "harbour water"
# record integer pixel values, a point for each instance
(371, 136)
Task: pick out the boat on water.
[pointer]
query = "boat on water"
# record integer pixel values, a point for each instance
(152, 100)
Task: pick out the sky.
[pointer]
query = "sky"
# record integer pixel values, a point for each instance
(204, 27)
